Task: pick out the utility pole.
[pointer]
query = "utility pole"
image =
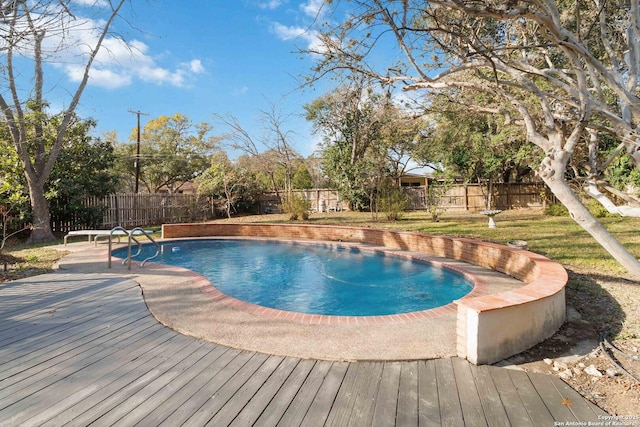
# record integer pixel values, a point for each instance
(137, 161)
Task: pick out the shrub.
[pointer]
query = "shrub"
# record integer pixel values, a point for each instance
(296, 207)
(394, 203)
(435, 199)
(556, 210)
(597, 209)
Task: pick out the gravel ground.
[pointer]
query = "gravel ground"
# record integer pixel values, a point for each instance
(598, 307)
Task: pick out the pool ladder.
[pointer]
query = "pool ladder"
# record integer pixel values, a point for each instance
(130, 238)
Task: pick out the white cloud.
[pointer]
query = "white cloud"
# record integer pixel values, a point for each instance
(196, 66)
(98, 3)
(271, 4)
(99, 77)
(118, 62)
(313, 8)
(287, 33)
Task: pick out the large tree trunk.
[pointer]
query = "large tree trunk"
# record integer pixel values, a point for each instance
(580, 214)
(41, 232)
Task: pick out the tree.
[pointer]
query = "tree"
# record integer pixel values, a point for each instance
(316, 173)
(349, 121)
(568, 71)
(227, 183)
(12, 208)
(27, 28)
(85, 168)
(477, 147)
(172, 151)
(272, 151)
(14, 201)
(301, 178)
(367, 141)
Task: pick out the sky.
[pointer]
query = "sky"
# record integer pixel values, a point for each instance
(197, 58)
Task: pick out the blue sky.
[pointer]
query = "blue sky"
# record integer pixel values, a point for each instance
(200, 57)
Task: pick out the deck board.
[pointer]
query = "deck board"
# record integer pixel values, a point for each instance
(199, 397)
(448, 394)
(326, 395)
(470, 402)
(387, 398)
(289, 367)
(366, 392)
(178, 399)
(492, 406)
(428, 405)
(79, 349)
(531, 400)
(407, 409)
(293, 401)
(41, 351)
(513, 406)
(112, 389)
(45, 375)
(102, 389)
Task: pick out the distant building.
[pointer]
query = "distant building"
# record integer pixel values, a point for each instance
(414, 180)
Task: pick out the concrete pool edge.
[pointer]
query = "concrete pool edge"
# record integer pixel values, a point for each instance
(173, 296)
(489, 328)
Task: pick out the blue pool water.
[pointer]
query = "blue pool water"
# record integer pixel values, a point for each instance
(314, 278)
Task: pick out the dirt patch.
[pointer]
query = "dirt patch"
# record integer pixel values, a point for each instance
(27, 263)
(597, 351)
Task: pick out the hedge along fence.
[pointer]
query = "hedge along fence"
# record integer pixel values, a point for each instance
(489, 328)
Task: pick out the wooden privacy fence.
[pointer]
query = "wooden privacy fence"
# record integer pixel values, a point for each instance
(457, 197)
(142, 209)
(472, 197)
(322, 200)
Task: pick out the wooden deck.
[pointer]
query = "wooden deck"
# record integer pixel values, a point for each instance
(79, 349)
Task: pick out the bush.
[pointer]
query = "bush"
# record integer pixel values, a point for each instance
(597, 209)
(435, 198)
(394, 204)
(556, 210)
(297, 207)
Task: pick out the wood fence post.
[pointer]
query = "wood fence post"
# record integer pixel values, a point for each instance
(466, 197)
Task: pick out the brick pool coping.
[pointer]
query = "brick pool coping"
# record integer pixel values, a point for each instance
(208, 288)
(489, 327)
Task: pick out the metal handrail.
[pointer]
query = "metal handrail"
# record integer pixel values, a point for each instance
(114, 229)
(130, 237)
(148, 236)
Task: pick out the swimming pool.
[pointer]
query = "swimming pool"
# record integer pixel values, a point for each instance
(315, 278)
